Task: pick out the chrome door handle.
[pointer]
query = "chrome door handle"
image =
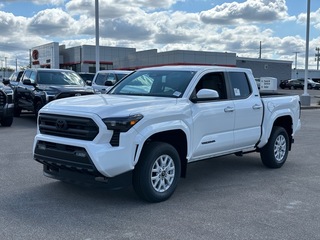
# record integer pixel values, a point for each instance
(229, 109)
(256, 106)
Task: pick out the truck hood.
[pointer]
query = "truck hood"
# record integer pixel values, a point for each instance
(64, 88)
(107, 105)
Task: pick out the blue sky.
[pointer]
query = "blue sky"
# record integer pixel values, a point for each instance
(203, 25)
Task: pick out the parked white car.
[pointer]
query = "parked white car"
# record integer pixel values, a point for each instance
(105, 79)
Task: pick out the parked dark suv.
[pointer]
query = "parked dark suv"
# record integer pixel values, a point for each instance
(6, 105)
(15, 78)
(37, 87)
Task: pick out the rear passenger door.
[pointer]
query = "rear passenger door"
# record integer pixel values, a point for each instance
(248, 111)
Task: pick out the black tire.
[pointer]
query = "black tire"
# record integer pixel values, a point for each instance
(6, 121)
(37, 107)
(275, 152)
(16, 111)
(152, 182)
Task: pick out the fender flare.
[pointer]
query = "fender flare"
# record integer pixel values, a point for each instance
(150, 130)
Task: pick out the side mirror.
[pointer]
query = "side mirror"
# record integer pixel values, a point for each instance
(89, 82)
(28, 81)
(205, 95)
(109, 83)
(6, 81)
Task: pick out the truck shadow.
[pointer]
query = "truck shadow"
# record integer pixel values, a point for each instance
(208, 180)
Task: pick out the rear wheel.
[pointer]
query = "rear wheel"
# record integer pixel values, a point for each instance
(156, 175)
(16, 110)
(275, 152)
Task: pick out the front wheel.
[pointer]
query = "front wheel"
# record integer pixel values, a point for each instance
(156, 175)
(6, 122)
(275, 152)
(37, 107)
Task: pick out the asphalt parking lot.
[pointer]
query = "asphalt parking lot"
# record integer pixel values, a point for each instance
(225, 198)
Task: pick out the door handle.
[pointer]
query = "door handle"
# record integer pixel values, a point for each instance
(229, 109)
(257, 106)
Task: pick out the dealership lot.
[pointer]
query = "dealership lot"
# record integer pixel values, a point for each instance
(226, 198)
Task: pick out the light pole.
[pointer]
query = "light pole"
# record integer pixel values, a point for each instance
(97, 35)
(305, 97)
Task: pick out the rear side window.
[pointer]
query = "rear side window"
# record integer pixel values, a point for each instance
(103, 77)
(239, 85)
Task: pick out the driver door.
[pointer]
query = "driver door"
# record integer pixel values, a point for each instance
(213, 120)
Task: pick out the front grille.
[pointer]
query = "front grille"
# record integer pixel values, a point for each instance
(2, 98)
(72, 94)
(67, 157)
(68, 126)
(9, 99)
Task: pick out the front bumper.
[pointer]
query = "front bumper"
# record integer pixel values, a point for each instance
(67, 175)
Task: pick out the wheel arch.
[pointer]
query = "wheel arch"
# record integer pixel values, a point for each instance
(178, 139)
(285, 122)
(38, 98)
(284, 119)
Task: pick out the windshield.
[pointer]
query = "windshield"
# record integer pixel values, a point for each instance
(154, 83)
(121, 75)
(60, 78)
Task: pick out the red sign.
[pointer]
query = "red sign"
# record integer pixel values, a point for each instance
(35, 54)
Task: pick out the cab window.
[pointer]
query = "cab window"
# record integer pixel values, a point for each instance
(240, 87)
(214, 81)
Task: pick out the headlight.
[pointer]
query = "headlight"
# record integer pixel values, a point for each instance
(50, 95)
(8, 91)
(122, 124)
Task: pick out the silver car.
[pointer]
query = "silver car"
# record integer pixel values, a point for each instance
(105, 79)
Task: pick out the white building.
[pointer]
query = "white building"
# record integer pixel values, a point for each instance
(83, 59)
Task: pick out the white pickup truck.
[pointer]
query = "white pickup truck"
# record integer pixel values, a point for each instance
(157, 120)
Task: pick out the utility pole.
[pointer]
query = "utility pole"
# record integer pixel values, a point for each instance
(317, 57)
(296, 63)
(296, 60)
(5, 66)
(260, 50)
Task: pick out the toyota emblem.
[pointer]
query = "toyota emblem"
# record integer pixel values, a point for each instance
(61, 124)
(78, 94)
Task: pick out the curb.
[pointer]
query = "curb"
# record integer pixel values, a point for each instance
(311, 107)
